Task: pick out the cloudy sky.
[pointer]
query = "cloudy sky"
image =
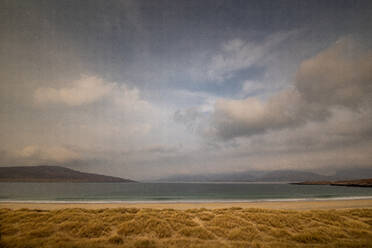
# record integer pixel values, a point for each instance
(147, 89)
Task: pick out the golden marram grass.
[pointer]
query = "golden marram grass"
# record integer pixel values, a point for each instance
(231, 227)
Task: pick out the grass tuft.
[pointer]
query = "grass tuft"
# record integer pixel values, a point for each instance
(144, 243)
(117, 240)
(196, 232)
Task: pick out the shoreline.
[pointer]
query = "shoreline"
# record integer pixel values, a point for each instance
(206, 201)
(280, 205)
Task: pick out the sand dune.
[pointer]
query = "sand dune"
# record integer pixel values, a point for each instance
(147, 227)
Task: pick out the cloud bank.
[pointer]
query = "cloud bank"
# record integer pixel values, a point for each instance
(144, 90)
(338, 77)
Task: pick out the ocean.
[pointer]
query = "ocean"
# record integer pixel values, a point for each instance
(174, 192)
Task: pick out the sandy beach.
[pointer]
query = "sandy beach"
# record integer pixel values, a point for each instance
(280, 205)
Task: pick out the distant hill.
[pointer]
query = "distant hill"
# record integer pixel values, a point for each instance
(272, 176)
(248, 176)
(45, 173)
(231, 177)
(291, 176)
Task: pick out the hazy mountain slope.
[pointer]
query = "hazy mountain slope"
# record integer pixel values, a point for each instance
(231, 177)
(351, 174)
(272, 176)
(46, 173)
(291, 175)
(248, 176)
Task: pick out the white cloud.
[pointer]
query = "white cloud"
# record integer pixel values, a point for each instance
(87, 89)
(340, 75)
(90, 89)
(336, 77)
(129, 100)
(234, 118)
(252, 87)
(238, 54)
(47, 154)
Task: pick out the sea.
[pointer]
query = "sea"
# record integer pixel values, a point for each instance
(174, 192)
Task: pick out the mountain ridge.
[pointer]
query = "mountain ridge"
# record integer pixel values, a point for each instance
(48, 173)
(270, 176)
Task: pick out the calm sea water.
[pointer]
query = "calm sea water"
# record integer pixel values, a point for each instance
(155, 192)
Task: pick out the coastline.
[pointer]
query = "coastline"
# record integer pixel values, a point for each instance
(304, 204)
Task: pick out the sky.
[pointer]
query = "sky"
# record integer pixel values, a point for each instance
(148, 89)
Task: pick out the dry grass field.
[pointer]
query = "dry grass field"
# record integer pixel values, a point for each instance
(232, 227)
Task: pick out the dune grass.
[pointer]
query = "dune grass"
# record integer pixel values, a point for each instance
(141, 228)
